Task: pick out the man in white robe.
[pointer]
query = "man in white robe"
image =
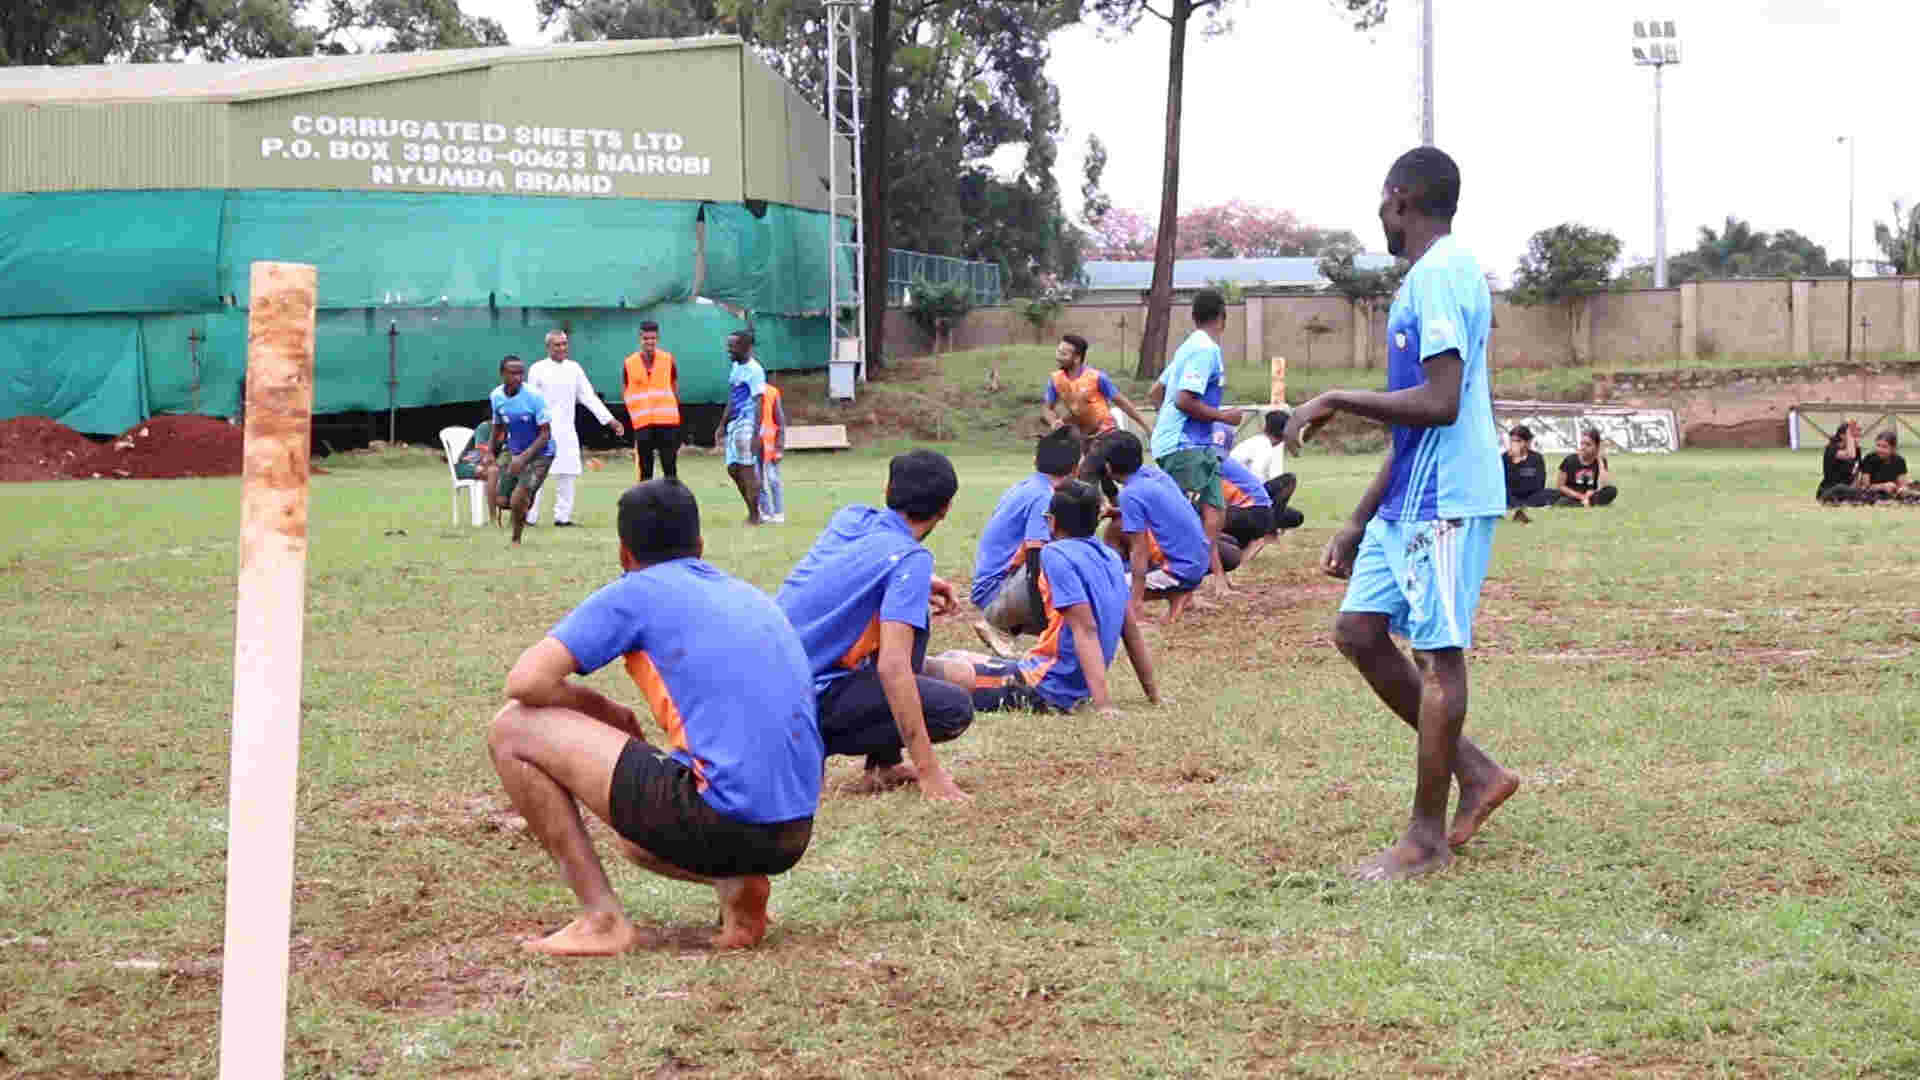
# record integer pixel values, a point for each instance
(564, 384)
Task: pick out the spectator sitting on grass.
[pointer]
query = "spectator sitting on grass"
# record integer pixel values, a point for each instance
(1526, 474)
(1584, 479)
(1883, 471)
(1840, 464)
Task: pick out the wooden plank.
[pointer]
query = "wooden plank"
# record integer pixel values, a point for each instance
(818, 437)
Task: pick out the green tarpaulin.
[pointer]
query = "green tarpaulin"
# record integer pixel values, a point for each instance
(72, 253)
(775, 263)
(83, 370)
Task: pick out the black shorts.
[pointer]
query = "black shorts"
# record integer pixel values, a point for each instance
(1248, 523)
(655, 802)
(999, 686)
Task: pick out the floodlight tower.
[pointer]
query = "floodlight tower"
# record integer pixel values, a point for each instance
(1426, 72)
(845, 199)
(1656, 45)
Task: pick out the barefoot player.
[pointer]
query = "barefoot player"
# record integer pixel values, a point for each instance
(729, 796)
(1417, 546)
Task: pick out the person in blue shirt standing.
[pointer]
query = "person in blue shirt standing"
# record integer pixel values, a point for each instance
(1417, 546)
(746, 382)
(1189, 394)
(860, 601)
(521, 419)
(729, 796)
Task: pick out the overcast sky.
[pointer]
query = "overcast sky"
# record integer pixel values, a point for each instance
(1540, 103)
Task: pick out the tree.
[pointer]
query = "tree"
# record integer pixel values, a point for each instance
(1367, 288)
(1899, 241)
(1240, 230)
(1123, 235)
(1094, 203)
(147, 31)
(409, 25)
(1124, 15)
(1738, 250)
(1565, 265)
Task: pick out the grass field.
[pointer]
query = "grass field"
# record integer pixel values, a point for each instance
(1710, 691)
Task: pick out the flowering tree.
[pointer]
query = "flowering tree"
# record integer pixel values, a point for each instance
(1122, 234)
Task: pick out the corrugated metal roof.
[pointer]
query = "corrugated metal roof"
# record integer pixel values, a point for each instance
(1303, 270)
(243, 80)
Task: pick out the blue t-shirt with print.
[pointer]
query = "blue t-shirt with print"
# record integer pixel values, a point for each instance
(866, 568)
(1075, 571)
(745, 381)
(1199, 368)
(1151, 502)
(1452, 471)
(724, 675)
(521, 414)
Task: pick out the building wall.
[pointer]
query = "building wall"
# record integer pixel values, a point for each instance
(89, 147)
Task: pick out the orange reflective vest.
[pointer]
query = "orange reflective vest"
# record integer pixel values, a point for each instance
(649, 394)
(769, 424)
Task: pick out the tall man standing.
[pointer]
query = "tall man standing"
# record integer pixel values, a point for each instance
(746, 383)
(1189, 394)
(563, 383)
(1416, 549)
(652, 393)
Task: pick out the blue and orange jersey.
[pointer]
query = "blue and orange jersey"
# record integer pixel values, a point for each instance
(1152, 503)
(1075, 571)
(1018, 522)
(1088, 395)
(1242, 488)
(688, 632)
(1451, 471)
(866, 568)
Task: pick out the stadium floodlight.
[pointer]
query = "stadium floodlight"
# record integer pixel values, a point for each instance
(1656, 44)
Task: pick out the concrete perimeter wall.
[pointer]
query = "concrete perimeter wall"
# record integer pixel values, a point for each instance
(1645, 328)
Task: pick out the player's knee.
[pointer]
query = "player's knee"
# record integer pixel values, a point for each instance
(1355, 635)
(508, 728)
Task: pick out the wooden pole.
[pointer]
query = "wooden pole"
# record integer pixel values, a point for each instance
(268, 633)
(1277, 394)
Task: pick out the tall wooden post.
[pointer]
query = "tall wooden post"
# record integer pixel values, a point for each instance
(269, 629)
(1277, 393)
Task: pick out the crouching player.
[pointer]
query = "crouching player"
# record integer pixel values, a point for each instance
(1158, 531)
(730, 797)
(1088, 617)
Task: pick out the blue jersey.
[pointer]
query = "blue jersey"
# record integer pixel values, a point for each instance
(1197, 367)
(521, 414)
(865, 569)
(1151, 503)
(1236, 477)
(745, 382)
(1019, 521)
(723, 674)
(1073, 572)
(1453, 471)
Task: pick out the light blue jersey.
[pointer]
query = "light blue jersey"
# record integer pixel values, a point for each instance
(1451, 472)
(1197, 367)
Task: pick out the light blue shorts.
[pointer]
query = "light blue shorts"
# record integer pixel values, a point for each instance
(1424, 576)
(740, 442)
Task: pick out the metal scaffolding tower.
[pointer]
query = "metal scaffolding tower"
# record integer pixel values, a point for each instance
(846, 362)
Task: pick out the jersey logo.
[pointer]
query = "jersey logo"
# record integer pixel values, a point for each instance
(1400, 340)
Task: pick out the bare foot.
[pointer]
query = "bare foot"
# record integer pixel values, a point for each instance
(997, 643)
(597, 933)
(743, 911)
(873, 781)
(1477, 804)
(1401, 861)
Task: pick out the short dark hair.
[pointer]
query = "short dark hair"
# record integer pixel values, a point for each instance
(744, 335)
(1208, 305)
(660, 520)
(649, 325)
(1430, 179)
(1078, 343)
(1276, 424)
(1124, 455)
(1889, 437)
(1522, 432)
(1076, 508)
(1057, 453)
(920, 483)
(509, 359)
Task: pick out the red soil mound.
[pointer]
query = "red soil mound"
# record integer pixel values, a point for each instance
(35, 448)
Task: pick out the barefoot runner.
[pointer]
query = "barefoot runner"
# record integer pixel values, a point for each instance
(1417, 546)
(729, 797)
(860, 600)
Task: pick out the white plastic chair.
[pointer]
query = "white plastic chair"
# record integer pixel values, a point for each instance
(454, 441)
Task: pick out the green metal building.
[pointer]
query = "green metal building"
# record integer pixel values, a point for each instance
(458, 205)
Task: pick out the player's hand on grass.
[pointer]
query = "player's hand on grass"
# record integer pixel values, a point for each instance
(938, 786)
(1337, 559)
(940, 593)
(1306, 420)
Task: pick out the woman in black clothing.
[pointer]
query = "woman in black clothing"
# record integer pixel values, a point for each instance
(1584, 479)
(1840, 462)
